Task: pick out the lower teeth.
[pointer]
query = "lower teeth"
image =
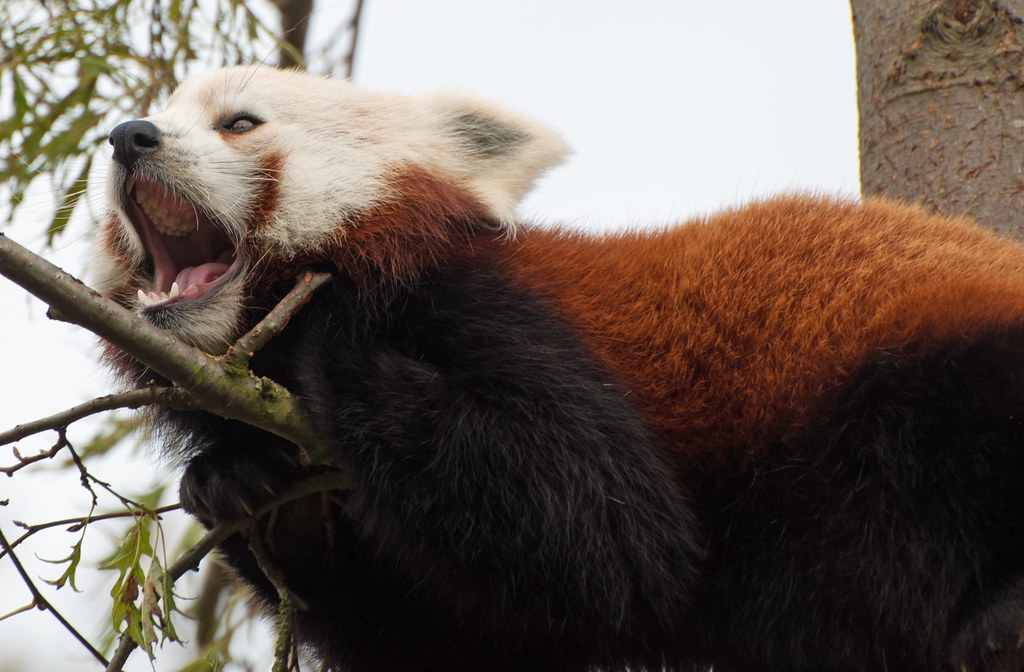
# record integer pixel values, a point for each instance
(153, 298)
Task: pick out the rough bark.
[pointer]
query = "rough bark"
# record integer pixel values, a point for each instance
(941, 105)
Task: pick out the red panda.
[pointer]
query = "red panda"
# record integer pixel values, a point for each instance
(785, 437)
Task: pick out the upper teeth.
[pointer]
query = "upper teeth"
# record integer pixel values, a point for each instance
(168, 225)
(153, 298)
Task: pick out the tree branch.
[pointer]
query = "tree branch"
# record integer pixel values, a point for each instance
(165, 396)
(287, 607)
(23, 462)
(40, 602)
(276, 320)
(76, 524)
(224, 391)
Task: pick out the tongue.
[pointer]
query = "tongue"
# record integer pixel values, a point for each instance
(191, 280)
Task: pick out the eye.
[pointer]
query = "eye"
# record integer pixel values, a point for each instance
(241, 123)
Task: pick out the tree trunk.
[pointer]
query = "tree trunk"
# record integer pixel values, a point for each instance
(942, 105)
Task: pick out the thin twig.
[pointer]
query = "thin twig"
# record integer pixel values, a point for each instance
(276, 320)
(272, 571)
(288, 605)
(40, 602)
(77, 523)
(38, 457)
(333, 480)
(20, 610)
(166, 396)
(84, 476)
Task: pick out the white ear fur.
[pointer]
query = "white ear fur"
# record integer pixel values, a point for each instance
(496, 152)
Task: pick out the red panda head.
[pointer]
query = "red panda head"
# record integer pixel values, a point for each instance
(248, 171)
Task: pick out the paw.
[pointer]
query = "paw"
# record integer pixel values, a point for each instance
(992, 641)
(220, 486)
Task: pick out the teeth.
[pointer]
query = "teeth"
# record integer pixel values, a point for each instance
(160, 217)
(153, 298)
(129, 183)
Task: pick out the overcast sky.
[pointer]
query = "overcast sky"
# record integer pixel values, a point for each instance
(673, 108)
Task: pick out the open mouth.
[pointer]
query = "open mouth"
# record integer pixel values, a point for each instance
(192, 255)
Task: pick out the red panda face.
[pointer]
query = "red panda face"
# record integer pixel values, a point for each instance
(250, 168)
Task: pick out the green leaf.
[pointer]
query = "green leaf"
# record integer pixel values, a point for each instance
(67, 204)
(76, 67)
(144, 600)
(21, 106)
(112, 434)
(68, 577)
(158, 606)
(127, 561)
(211, 662)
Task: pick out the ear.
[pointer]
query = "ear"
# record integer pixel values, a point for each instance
(496, 152)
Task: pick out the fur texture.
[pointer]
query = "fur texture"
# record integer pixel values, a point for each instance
(787, 437)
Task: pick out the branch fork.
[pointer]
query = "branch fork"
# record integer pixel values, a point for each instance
(221, 385)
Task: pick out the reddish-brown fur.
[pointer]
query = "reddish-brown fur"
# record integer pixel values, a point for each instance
(112, 241)
(268, 192)
(734, 330)
(419, 228)
(426, 223)
(728, 331)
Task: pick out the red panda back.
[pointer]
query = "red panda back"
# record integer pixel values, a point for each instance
(733, 330)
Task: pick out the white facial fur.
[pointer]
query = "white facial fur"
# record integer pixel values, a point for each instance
(338, 142)
(334, 150)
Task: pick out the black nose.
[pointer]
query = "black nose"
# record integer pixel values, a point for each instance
(132, 140)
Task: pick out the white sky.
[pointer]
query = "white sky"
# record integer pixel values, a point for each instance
(672, 107)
